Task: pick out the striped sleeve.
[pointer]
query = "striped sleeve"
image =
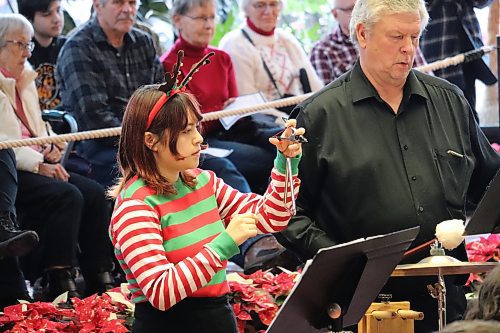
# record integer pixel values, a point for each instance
(136, 233)
(273, 214)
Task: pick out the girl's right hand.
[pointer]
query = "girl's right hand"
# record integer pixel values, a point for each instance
(242, 227)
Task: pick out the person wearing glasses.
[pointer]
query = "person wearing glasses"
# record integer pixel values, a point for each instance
(65, 209)
(267, 58)
(335, 53)
(98, 69)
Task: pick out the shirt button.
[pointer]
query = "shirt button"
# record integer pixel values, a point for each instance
(420, 209)
(118, 55)
(128, 74)
(413, 178)
(405, 147)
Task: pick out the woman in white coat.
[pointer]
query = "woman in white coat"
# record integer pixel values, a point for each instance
(259, 44)
(65, 209)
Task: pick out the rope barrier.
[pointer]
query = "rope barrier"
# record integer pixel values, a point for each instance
(115, 131)
(458, 59)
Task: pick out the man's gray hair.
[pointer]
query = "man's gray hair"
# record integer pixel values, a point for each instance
(13, 23)
(181, 7)
(369, 12)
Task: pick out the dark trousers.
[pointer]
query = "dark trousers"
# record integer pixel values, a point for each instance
(226, 170)
(65, 214)
(101, 154)
(191, 315)
(12, 286)
(8, 179)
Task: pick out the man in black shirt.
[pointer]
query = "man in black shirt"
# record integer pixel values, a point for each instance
(390, 148)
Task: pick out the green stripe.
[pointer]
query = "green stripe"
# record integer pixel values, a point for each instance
(218, 278)
(190, 213)
(197, 235)
(155, 200)
(132, 188)
(139, 299)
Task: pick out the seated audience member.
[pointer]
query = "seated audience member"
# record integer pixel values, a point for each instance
(98, 68)
(47, 19)
(13, 242)
(472, 326)
(267, 58)
(214, 88)
(487, 305)
(65, 209)
(335, 53)
(453, 28)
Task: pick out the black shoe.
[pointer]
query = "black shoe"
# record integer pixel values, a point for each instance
(98, 283)
(61, 280)
(15, 242)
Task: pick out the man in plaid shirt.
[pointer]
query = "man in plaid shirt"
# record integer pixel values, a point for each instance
(453, 28)
(335, 54)
(99, 68)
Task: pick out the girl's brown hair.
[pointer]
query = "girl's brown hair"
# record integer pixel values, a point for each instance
(134, 157)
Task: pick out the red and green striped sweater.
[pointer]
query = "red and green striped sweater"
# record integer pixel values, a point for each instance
(173, 247)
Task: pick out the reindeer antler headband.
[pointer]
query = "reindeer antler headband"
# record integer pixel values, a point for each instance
(170, 87)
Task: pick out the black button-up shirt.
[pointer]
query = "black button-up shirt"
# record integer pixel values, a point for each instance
(368, 171)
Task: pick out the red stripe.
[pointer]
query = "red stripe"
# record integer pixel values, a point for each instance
(194, 224)
(186, 201)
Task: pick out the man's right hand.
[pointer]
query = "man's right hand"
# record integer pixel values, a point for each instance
(56, 171)
(242, 227)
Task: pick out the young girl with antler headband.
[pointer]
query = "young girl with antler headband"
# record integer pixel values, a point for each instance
(174, 226)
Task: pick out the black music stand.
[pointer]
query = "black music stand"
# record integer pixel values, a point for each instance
(350, 275)
(486, 217)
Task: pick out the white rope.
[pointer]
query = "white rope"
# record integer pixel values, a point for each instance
(115, 131)
(452, 61)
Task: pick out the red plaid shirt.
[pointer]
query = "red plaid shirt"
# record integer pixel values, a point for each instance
(335, 54)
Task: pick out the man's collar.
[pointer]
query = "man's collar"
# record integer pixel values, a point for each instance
(100, 37)
(362, 87)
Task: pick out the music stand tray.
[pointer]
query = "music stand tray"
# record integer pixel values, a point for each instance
(486, 217)
(350, 275)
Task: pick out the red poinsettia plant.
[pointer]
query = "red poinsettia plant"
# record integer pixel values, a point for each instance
(99, 314)
(257, 297)
(482, 250)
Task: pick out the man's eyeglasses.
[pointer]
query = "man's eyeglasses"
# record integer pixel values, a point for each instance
(261, 6)
(23, 46)
(202, 19)
(347, 10)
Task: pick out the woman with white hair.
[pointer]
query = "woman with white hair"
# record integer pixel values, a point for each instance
(267, 58)
(65, 209)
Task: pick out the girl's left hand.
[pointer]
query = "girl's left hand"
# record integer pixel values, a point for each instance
(287, 147)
